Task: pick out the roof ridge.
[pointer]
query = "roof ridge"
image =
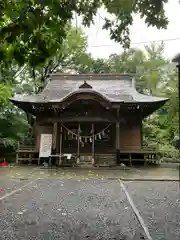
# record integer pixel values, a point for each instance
(60, 73)
(91, 76)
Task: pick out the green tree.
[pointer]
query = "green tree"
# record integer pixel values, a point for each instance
(154, 75)
(5, 94)
(13, 123)
(29, 80)
(150, 73)
(148, 66)
(14, 127)
(33, 30)
(69, 57)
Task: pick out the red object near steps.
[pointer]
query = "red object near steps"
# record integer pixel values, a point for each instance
(4, 163)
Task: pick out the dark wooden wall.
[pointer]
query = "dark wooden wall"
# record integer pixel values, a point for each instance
(130, 135)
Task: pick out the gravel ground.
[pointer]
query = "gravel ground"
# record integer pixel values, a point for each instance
(13, 178)
(10, 185)
(159, 205)
(68, 209)
(87, 204)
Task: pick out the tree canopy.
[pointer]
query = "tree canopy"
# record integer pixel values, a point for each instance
(153, 72)
(33, 30)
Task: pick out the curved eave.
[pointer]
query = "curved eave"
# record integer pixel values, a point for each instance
(27, 106)
(147, 107)
(142, 109)
(154, 107)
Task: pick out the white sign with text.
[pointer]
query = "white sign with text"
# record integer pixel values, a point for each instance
(45, 145)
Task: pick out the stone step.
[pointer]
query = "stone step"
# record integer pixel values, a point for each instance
(85, 163)
(88, 162)
(100, 159)
(82, 160)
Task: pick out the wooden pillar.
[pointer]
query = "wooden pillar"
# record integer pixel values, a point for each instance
(58, 138)
(54, 136)
(93, 157)
(78, 142)
(118, 139)
(60, 146)
(141, 125)
(141, 132)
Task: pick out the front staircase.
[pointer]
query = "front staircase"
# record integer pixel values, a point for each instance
(105, 160)
(101, 160)
(85, 160)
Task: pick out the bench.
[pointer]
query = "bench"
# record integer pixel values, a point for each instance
(26, 153)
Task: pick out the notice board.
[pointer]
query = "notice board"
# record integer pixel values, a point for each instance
(45, 145)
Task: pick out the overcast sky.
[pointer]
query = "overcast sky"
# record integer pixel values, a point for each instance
(139, 33)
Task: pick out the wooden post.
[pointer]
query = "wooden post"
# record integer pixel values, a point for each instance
(117, 139)
(60, 146)
(141, 133)
(54, 135)
(93, 159)
(78, 147)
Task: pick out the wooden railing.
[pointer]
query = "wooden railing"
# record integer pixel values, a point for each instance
(26, 149)
(26, 153)
(129, 153)
(139, 149)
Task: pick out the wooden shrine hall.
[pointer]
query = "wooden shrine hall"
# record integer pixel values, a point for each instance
(88, 119)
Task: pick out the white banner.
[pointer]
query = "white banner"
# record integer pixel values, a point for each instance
(45, 145)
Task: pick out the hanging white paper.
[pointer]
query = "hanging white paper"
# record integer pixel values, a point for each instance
(79, 129)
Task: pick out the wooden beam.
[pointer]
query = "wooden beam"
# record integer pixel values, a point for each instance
(78, 119)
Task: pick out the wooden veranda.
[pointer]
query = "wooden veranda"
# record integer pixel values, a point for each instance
(29, 154)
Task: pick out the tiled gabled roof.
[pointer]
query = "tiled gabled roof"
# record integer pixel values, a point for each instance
(113, 87)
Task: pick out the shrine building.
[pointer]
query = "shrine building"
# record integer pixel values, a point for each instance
(96, 118)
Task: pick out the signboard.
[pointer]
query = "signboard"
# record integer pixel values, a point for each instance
(45, 145)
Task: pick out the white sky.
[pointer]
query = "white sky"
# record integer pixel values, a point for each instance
(139, 33)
